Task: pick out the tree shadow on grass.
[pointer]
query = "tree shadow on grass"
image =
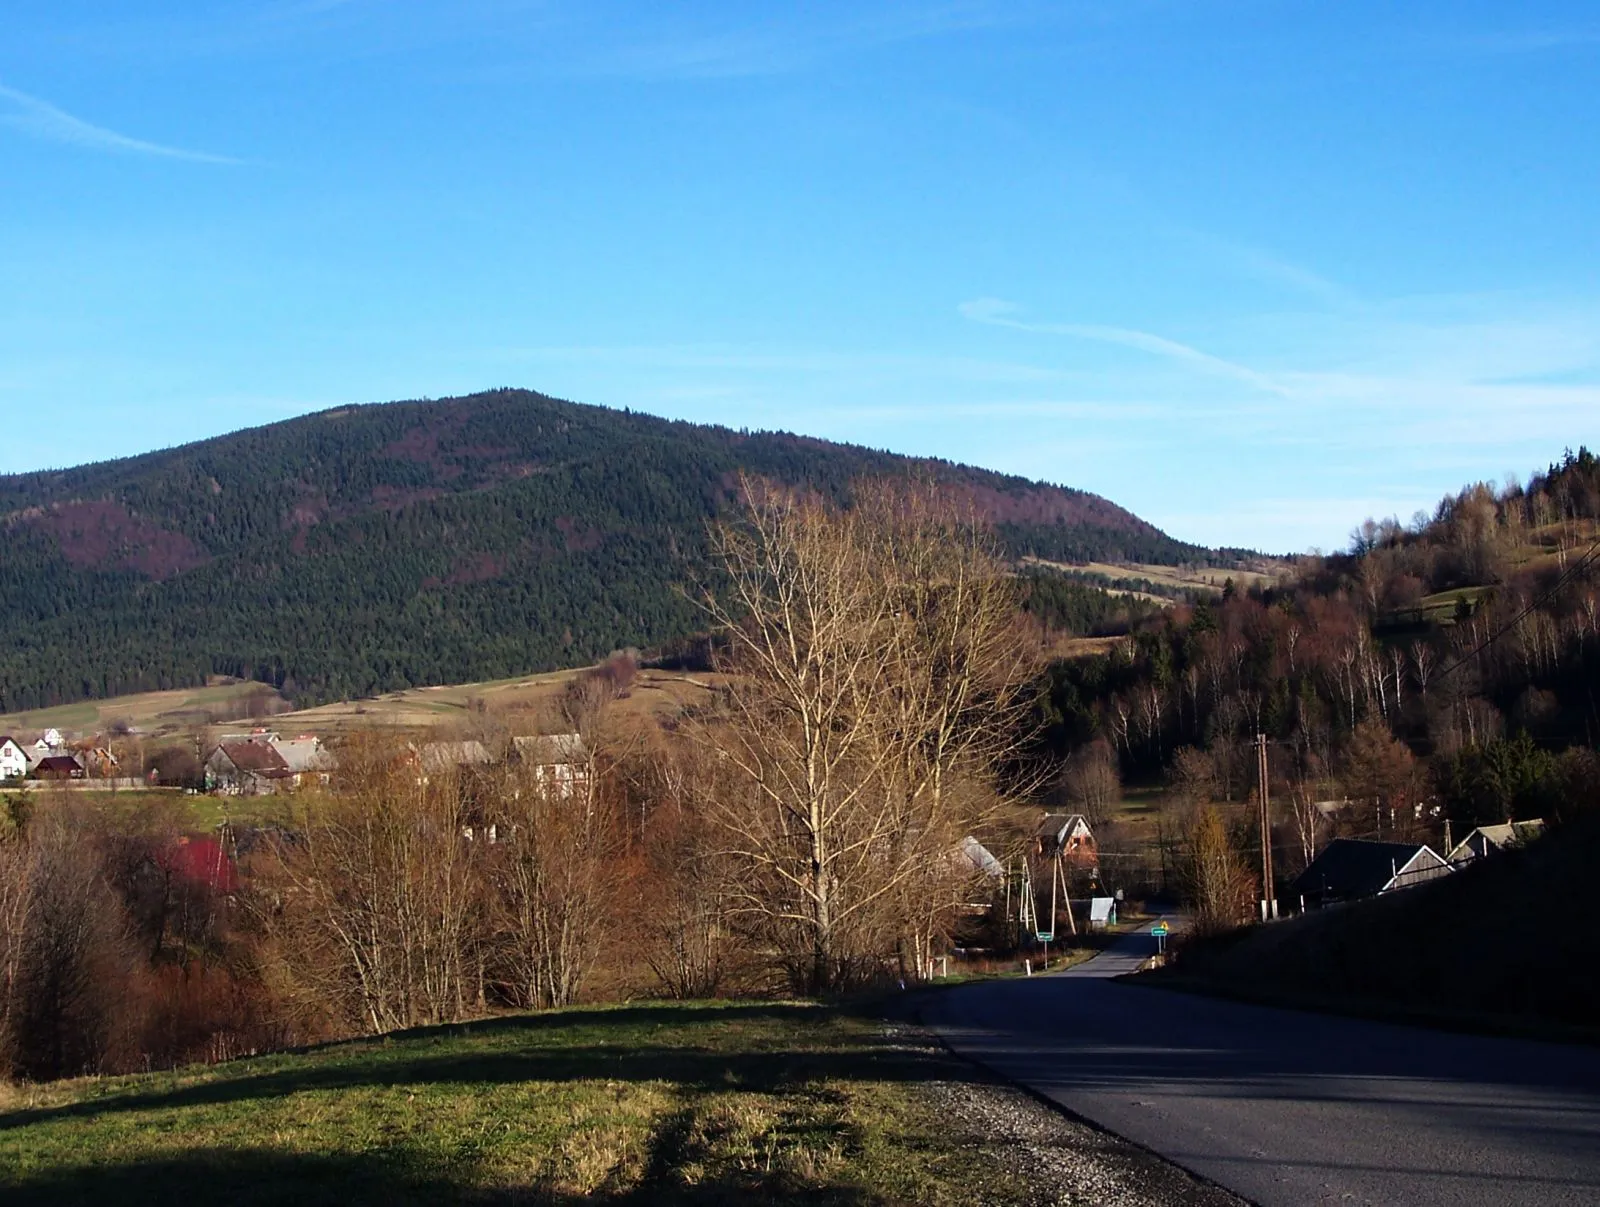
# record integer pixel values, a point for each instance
(256, 1178)
(438, 1056)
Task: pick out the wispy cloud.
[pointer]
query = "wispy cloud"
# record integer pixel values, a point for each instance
(40, 119)
(1250, 260)
(997, 313)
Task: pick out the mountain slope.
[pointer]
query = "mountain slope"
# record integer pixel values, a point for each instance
(377, 547)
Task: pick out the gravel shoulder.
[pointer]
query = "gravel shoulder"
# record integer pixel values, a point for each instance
(1038, 1154)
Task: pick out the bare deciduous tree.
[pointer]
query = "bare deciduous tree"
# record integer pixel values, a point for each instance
(381, 891)
(1093, 782)
(67, 959)
(558, 868)
(685, 885)
(876, 678)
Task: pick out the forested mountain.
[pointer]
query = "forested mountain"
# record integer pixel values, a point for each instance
(371, 548)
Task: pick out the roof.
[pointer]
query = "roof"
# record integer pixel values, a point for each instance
(303, 754)
(1056, 826)
(437, 756)
(201, 859)
(1496, 838)
(975, 853)
(6, 737)
(58, 762)
(552, 749)
(258, 758)
(1359, 867)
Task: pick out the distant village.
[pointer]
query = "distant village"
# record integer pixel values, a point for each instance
(253, 763)
(262, 762)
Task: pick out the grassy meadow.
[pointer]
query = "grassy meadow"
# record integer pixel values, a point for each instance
(236, 704)
(652, 693)
(154, 713)
(657, 1103)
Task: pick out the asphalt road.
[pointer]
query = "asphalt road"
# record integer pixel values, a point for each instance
(1285, 1107)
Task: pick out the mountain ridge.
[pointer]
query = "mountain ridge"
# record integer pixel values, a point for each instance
(371, 547)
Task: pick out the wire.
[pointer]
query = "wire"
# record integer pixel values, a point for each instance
(1538, 602)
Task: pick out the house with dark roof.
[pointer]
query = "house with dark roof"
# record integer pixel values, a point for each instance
(1488, 840)
(251, 768)
(58, 767)
(1349, 869)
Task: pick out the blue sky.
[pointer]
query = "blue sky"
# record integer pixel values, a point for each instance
(1254, 269)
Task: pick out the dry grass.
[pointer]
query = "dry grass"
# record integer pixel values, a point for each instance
(1174, 576)
(154, 713)
(1264, 572)
(234, 703)
(653, 693)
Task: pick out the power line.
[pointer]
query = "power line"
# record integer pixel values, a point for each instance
(1538, 602)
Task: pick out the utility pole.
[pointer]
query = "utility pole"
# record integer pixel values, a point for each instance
(1008, 892)
(1066, 899)
(1055, 873)
(1269, 899)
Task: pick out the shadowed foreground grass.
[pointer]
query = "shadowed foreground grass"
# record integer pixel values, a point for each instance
(1505, 945)
(700, 1103)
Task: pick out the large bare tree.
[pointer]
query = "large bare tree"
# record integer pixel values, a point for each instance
(875, 687)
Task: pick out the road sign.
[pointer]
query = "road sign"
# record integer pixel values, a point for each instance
(1161, 930)
(1044, 936)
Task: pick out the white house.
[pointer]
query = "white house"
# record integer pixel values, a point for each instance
(13, 759)
(50, 743)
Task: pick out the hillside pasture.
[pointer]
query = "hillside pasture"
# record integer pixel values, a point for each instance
(155, 714)
(699, 1103)
(1177, 578)
(652, 693)
(1189, 577)
(236, 703)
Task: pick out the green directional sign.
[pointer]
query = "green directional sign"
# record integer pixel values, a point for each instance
(1161, 930)
(1044, 936)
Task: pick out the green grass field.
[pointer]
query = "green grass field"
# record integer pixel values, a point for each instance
(699, 1103)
